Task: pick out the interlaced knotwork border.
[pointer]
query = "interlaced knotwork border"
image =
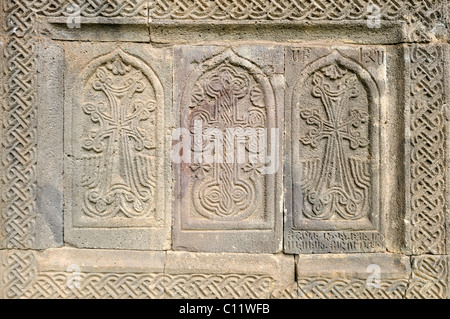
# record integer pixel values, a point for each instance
(422, 18)
(427, 153)
(429, 278)
(150, 286)
(424, 21)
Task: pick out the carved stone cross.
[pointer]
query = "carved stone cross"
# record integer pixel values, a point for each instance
(335, 188)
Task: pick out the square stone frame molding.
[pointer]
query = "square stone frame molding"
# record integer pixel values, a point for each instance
(419, 25)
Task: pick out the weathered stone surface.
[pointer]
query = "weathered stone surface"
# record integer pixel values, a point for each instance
(229, 202)
(2, 271)
(38, 188)
(49, 197)
(365, 276)
(79, 273)
(116, 147)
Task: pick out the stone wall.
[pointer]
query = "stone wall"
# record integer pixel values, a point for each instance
(332, 117)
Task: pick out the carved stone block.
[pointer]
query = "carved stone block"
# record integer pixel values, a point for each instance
(49, 167)
(117, 162)
(95, 29)
(81, 273)
(2, 271)
(97, 274)
(228, 177)
(336, 100)
(353, 276)
(236, 118)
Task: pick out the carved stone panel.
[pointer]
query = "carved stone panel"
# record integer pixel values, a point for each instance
(335, 97)
(228, 180)
(116, 129)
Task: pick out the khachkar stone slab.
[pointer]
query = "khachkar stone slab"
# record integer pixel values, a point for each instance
(336, 102)
(228, 171)
(225, 275)
(81, 273)
(117, 175)
(353, 276)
